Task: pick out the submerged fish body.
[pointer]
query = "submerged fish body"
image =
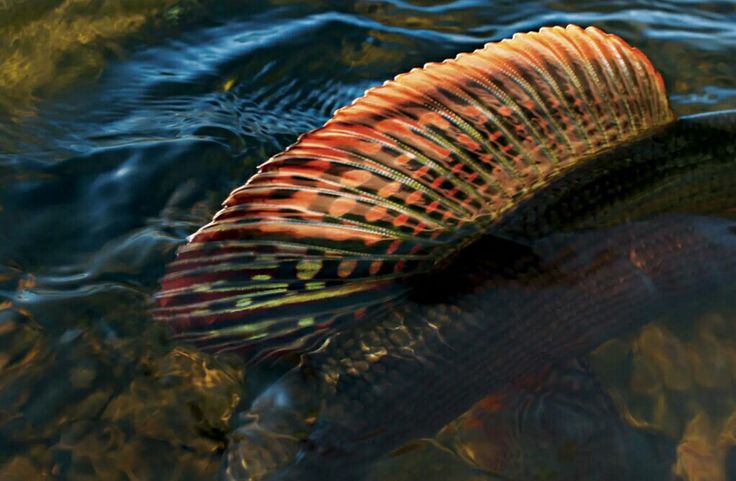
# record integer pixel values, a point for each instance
(379, 385)
(436, 241)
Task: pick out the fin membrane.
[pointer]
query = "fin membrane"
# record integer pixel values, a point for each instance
(399, 180)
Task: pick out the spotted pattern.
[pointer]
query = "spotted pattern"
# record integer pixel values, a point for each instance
(398, 180)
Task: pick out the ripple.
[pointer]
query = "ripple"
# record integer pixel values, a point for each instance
(124, 125)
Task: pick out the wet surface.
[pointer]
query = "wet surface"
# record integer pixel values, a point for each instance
(122, 127)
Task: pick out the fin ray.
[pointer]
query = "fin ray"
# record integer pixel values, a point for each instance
(399, 180)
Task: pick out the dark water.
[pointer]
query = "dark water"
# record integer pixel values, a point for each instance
(123, 124)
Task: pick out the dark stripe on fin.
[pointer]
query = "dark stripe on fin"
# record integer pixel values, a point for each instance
(400, 179)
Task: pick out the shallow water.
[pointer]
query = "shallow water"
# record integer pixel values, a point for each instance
(124, 124)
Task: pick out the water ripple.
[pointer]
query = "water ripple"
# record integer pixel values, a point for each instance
(122, 127)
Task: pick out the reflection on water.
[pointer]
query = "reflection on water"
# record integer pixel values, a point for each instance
(51, 46)
(123, 125)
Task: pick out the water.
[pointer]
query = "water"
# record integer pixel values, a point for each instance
(122, 127)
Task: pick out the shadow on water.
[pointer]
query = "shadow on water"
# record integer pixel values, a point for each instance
(124, 124)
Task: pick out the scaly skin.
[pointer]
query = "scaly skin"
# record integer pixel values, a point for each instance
(500, 311)
(686, 168)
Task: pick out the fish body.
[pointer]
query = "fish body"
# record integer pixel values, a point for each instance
(638, 233)
(379, 385)
(521, 298)
(452, 232)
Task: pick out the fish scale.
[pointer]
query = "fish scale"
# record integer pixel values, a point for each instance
(401, 180)
(686, 167)
(612, 244)
(427, 360)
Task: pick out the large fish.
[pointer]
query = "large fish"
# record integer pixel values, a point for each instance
(431, 242)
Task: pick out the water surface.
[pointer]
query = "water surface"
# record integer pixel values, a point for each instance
(124, 124)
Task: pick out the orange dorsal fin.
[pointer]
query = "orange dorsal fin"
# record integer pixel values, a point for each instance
(401, 178)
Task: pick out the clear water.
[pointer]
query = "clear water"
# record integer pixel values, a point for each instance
(123, 124)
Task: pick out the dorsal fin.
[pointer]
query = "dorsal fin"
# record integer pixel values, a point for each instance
(398, 180)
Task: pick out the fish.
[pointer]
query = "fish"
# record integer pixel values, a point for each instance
(454, 230)
(377, 386)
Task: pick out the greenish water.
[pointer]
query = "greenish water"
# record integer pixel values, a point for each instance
(123, 124)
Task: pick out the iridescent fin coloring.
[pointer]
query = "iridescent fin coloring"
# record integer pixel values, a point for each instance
(400, 179)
